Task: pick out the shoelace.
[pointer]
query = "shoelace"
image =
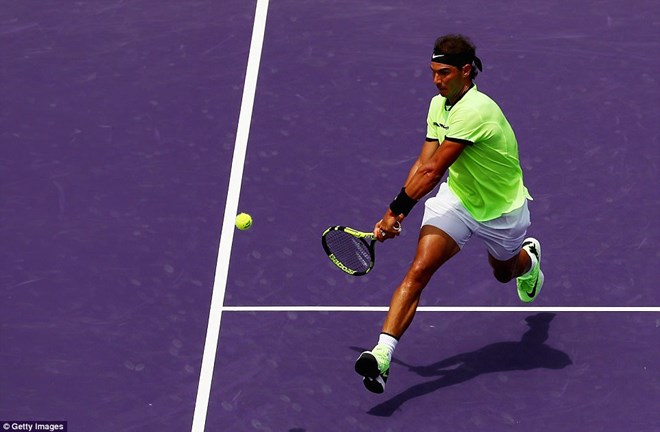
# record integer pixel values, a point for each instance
(381, 356)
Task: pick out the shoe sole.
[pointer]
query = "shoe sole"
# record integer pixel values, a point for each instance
(367, 366)
(374, 385)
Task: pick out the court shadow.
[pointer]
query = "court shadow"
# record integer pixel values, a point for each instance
(530, 352)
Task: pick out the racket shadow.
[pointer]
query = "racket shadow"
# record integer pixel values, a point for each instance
(530, 352)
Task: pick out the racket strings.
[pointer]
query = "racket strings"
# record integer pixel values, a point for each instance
(352, 252)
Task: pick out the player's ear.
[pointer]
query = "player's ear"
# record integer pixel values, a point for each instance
(466, 70)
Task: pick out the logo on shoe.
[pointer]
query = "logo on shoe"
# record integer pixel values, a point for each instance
(532, 249)
(533, 293)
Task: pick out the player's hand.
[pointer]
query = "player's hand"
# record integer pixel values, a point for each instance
(388, 227)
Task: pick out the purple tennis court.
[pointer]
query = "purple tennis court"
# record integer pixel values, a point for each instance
(128, 302)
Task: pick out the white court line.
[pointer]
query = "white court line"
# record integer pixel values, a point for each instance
(443, 309)
(231, 207)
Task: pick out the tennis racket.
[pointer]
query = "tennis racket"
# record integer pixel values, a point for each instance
(351, 250)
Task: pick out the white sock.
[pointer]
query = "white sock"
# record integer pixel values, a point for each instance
(389, 342)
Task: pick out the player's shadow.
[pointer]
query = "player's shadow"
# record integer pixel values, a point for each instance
(530, 353)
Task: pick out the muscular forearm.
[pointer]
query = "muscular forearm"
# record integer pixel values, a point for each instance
(423, 180)
(423, 176)
(429, 172)
(413, 171)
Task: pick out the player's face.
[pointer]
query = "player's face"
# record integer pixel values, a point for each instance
(449, 80)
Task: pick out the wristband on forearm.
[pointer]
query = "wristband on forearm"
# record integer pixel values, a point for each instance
(402, 204)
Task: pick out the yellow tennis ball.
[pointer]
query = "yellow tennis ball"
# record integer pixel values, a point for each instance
(243, 221)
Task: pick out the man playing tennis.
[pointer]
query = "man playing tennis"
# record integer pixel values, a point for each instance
(467, 135)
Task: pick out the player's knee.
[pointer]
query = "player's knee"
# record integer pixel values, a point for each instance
(420, 272)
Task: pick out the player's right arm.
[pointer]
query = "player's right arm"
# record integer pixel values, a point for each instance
(422, 181)
(429, 148)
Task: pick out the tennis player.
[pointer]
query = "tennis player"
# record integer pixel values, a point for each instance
(484, 196)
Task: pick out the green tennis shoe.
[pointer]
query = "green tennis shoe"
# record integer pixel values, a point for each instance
(374, 366)
(529, 285)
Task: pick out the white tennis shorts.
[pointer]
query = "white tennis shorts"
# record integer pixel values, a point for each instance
(502, 236)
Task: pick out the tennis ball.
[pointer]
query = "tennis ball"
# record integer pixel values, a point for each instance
(243, 221)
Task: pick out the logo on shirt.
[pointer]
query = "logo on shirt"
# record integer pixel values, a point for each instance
(440, 125)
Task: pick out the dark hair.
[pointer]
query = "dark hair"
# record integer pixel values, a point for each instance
(457, 44)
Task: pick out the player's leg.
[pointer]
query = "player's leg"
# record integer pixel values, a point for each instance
(525, 266)
(443, 234)
(506, 270)
(434, 248)
(511, 255)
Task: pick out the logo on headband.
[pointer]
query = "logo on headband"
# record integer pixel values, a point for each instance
(457, 60)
